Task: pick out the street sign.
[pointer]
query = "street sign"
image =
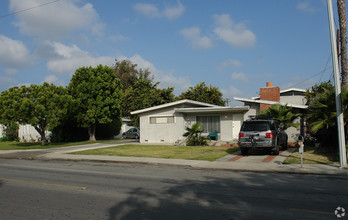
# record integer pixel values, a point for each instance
(300, 150)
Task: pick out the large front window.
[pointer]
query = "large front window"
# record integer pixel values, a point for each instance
(209, 123)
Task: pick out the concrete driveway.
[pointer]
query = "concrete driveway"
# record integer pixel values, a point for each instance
(257, 156)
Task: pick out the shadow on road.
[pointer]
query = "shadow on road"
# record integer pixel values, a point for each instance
(251, 196)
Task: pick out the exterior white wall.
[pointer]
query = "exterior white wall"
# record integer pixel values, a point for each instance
(294, 99)
(27, 133)
(254, 110)
(2, 131)
(170, 133)
(161, 133)
(237, 124)
(293, 133)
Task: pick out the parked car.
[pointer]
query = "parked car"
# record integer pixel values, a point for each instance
(131, 133)
(262, 134)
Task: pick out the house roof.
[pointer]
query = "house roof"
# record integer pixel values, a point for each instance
(218, 109)
(292, 89)
(184, 101)
(271, 102)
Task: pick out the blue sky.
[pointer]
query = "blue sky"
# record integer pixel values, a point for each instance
(234, 45)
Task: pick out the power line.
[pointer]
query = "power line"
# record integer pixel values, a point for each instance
(327, 62)
(38, 6)
(321, 72)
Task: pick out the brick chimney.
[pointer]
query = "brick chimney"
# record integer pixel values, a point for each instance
(269, 93)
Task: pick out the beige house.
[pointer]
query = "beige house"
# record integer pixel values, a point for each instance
(271, 95)
(166, 123)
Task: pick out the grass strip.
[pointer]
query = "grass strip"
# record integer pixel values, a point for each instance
(13, 145)
(209, 153)
(312, 155)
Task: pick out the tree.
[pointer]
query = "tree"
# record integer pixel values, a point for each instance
(322, 112)
(97, 96)
(194, 136)
(144, 94)
(341, 7)
(128, 73)
(38, 105)
(203, 93)
(283, 114)
(139, 89)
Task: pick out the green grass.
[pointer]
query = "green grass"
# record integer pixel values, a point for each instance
(312, 155)
(209, 153)
(12, 145)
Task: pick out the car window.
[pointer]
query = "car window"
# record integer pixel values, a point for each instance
(256, 126)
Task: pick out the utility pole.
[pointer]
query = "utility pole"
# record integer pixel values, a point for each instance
(338, 95)
(341, 8)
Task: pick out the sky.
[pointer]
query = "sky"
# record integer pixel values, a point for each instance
(234, 45)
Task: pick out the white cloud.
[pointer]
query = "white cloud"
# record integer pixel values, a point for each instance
(117, 38)
(152, 10)
(229, 63)
(237, 35)
(306, 7)
(55, 20)
(230, 93)
(166, 79)
(68, 58)
(51, 79)
(193, 34)
(13, 54)
(239, 77)
(5, 80)
(174, 12)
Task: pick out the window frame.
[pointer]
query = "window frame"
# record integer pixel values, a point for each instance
(162, 116)
(209, 122)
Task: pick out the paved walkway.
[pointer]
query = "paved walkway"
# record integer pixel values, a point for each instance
(234, 162)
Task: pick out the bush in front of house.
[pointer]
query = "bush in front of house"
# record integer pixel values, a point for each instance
(194, 136)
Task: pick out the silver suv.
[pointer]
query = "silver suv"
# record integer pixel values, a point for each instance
(262, 134)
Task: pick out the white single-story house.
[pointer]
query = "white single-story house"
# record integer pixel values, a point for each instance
(271, 95)
(167, 123)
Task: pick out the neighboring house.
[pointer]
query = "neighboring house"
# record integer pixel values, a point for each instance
(166, 123)
(125, 126)
(271, 95)
(2, 131)
(27, 133)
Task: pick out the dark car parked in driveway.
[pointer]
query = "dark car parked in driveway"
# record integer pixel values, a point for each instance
(131, 133)
(262, 134)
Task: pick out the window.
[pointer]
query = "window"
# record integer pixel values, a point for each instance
(162, 120)
(209, 123)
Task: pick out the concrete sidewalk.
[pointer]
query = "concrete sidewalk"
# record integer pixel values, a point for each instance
(225, 163)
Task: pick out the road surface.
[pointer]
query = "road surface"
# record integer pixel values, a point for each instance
(81, 190)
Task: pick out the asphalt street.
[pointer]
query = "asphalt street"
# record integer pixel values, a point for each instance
(33, 189)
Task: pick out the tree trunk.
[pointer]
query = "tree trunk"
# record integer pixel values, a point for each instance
(341, 7)
(42, 134)
(91, 133)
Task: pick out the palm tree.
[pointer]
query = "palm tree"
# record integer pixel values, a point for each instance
(283, 114)
(194, 137)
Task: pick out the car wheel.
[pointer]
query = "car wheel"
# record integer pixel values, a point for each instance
(276, 151)
(285, 145)
(136, 136)
(244, 150)
(124, 136)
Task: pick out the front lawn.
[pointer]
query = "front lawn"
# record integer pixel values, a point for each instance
(312, 155)
(13, 145)
(209, 153)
